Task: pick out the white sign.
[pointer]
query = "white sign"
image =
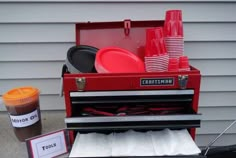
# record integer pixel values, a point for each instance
(25, 120)
(47, 146)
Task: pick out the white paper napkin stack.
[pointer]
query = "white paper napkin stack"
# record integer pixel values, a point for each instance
(132, 143)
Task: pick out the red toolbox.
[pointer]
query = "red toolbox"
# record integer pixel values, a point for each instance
(175, 92)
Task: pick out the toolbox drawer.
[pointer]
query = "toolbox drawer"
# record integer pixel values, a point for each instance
(145, 109)
(94, 124)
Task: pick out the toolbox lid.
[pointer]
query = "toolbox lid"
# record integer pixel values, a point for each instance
(129, 35)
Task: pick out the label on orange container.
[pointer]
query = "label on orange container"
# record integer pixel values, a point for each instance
(25, 120)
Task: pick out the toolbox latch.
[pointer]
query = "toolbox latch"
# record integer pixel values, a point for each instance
(80, 83)
(127, 26)
(183, 80)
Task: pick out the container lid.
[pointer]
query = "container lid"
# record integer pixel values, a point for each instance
(80, 59)
(20, 96)
(127, 34)
(117, 60)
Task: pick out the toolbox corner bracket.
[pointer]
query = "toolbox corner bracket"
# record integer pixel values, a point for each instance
(80, 83)
(183, 80)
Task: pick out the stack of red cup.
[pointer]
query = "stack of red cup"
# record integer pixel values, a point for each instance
(173, 64)
(173, 30)
(184, 63)
(156, 56)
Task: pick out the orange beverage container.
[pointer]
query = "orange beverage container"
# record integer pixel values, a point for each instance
(22, 104)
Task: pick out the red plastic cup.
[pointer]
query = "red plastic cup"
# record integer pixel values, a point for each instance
(150, 63)
(173, 64)
(180, 28)
(160, 46)
(183, 59)
(184, 63)
(173, 15)
(159, 32)
(167, 29)
(156, 57)
(150, 35)
(173, 29)
(157, 63)
(148, 52)
(173, 26)
(155, 44)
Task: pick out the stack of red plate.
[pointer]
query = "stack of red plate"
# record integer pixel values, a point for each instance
(156, 57)
(117, 60)
(173, 30)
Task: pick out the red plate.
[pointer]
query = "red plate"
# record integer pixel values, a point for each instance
(117, 60)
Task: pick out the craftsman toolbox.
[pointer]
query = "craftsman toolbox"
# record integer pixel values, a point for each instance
(108, 102)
